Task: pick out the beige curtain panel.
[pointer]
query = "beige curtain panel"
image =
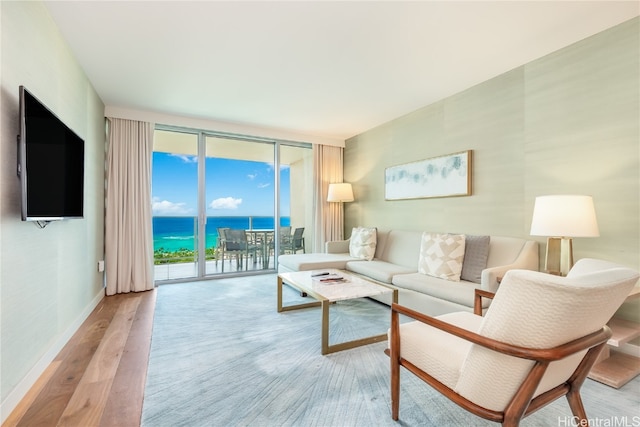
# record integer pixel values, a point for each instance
(329, 217)
(129, 235)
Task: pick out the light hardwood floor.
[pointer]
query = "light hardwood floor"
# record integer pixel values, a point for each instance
(98, 378)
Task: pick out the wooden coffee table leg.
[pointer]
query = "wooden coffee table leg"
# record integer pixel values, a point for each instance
(281, 307)
(325, 304)
(279, 294)
(325, 326)
(328, 349)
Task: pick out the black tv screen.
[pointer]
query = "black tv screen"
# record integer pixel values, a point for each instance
(50, 164)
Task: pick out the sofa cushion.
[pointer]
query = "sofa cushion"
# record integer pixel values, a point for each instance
(303, 262)
(461, 292)
(476, 252)
(441, 255)
(399, 247)
(381, 271)
(362, 243)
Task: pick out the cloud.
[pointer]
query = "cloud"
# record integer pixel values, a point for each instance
(252, 176)
(263, 185)
(225, 203)
(185, 158)
(165, 207)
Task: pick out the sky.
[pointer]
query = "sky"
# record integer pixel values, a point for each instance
(233, 187)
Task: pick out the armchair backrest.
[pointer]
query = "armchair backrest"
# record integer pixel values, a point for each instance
(538, 310)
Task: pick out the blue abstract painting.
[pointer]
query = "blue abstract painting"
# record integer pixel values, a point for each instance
(443, 176)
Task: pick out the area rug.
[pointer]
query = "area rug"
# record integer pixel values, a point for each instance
(222, 356)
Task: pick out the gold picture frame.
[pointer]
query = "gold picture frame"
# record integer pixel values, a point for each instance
(443, 176)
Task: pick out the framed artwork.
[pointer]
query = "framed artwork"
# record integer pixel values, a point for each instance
(444, 176)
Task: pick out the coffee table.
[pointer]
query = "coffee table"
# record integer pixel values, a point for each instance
(326, 293)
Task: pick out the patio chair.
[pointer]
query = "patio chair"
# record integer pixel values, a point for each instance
(220, 245)
(295, 243)
(284, 237)
(537, 342)
(236, 243)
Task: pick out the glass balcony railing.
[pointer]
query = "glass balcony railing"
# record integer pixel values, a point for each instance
(176, 242)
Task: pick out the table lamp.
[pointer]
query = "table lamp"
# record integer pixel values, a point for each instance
(560, 218)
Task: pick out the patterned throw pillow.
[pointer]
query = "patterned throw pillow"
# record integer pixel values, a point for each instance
(476, 253)
(441, 255)
(363, 243)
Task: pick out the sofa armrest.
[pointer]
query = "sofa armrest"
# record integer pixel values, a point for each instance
(489, 281)
(527, 260)
(337, 247)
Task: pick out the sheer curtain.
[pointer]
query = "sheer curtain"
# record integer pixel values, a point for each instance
(129, 235)
(328, 217)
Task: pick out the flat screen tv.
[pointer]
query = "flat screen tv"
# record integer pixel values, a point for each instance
(50, 164)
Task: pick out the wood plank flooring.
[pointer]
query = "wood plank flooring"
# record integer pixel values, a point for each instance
(99, 376)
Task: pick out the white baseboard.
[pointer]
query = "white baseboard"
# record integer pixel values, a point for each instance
(23, 387)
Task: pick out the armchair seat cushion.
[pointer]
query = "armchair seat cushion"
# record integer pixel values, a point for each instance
(437, 352)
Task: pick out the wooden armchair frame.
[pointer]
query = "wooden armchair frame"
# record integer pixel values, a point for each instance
(522, 403)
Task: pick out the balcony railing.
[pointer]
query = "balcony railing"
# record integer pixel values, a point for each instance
(183, 262)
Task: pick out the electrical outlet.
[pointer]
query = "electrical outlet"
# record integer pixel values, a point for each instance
(100, 266)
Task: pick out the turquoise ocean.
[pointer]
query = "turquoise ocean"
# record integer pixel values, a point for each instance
(172, 233)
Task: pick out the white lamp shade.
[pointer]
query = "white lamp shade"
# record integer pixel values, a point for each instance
(564, 216)
(340, 193)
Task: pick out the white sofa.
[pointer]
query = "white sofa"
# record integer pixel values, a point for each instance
(395, 263)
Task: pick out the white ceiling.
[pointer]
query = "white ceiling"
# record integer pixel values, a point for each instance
(320, 68)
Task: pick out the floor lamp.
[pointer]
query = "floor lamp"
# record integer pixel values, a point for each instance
(561, 218)
(340, 193)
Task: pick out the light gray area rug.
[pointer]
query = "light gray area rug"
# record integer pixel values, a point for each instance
(222, 356)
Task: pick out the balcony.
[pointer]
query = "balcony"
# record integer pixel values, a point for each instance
(182, 270)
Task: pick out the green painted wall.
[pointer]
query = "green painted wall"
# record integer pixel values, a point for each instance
(567, 123)
(48, 277)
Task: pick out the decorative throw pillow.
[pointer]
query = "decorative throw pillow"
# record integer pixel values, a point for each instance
(441, 255)
(363, 243)
(476, 253)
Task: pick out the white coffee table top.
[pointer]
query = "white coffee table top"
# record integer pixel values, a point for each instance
(352, 287)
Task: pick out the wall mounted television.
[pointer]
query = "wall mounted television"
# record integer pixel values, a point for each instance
(50, 164)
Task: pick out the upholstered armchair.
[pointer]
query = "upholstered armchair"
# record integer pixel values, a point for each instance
(537, 342)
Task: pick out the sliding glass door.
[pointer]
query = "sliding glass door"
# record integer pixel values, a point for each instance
(240, 198)
(175, 204)
(220, 201)
(296, 200)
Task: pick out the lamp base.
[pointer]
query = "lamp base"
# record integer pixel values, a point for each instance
(559, 256)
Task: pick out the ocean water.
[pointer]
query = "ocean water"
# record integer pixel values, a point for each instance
(172, 233)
